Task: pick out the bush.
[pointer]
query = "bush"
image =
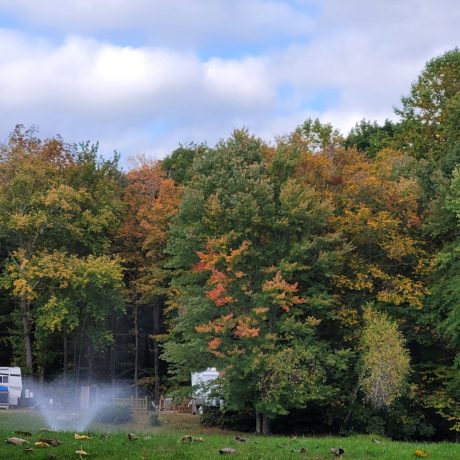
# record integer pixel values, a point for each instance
(114, 414)
(231, 420)
(154, 419)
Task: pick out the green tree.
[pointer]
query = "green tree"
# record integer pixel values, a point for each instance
(178, 165)
(426, 111)
(53, 196)
(67, 294)
(445, 311)
(251, 263)
(371, 138)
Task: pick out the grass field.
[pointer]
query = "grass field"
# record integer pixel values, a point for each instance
(164, 442)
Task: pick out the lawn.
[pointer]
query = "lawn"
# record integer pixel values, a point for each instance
(165, 443)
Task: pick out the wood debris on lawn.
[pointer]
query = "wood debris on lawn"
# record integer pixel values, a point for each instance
(51, 442)
(227, 450)
(16, 441)
(41, 444)
(337, 451)
(81, 452)
(188, 439)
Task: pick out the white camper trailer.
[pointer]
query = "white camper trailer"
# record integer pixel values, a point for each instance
(10, 386)
(202, 388)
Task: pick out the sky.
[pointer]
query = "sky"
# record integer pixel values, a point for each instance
(144, 76)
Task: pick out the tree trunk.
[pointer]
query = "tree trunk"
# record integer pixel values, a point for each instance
(64, 373)
(156, 354)
(89, 350)
(113, 353)
(258, 423)
(352, 402)
(80, 351)
(27, 340)
(136, 348)
(265, 425)
(74, 346)
(41, 375)
(112, 364)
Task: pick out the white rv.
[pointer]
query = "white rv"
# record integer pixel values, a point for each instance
(10, 386)
(202, 388)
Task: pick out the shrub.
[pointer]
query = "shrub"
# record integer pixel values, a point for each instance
(154, 419)
(232, 420)
(114, 414)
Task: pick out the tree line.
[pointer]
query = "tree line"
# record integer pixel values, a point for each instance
(319, 273)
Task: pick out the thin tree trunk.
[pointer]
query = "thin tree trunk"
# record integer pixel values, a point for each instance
(265, 425)
(112, 368)
(156, 353)
(112, 361)
(27, 340)
(352, 402)
(136, 348)
(89, 350)
(75, 344)
(80, 350)
(258, 423)
(64, 373)
(41, 375)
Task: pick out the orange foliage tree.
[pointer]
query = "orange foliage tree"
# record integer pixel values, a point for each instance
(151, 200)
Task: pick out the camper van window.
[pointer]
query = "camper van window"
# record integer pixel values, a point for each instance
(3, 379)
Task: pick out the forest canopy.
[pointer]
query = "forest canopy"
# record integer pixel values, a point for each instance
(319, 272)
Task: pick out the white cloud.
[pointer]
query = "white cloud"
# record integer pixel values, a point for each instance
(89, 88)
(359, 59)
(185, 23)
(243, 82)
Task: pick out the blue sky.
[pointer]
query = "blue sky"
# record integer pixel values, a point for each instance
(142, 76)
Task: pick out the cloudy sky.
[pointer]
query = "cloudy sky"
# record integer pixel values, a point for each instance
(142, 76)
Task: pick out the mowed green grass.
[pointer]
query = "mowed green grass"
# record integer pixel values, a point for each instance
(165, 443)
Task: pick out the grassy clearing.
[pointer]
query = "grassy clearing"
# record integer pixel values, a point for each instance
(165, 443)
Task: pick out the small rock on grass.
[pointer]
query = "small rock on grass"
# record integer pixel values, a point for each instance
(337, 451)
(227, 450)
